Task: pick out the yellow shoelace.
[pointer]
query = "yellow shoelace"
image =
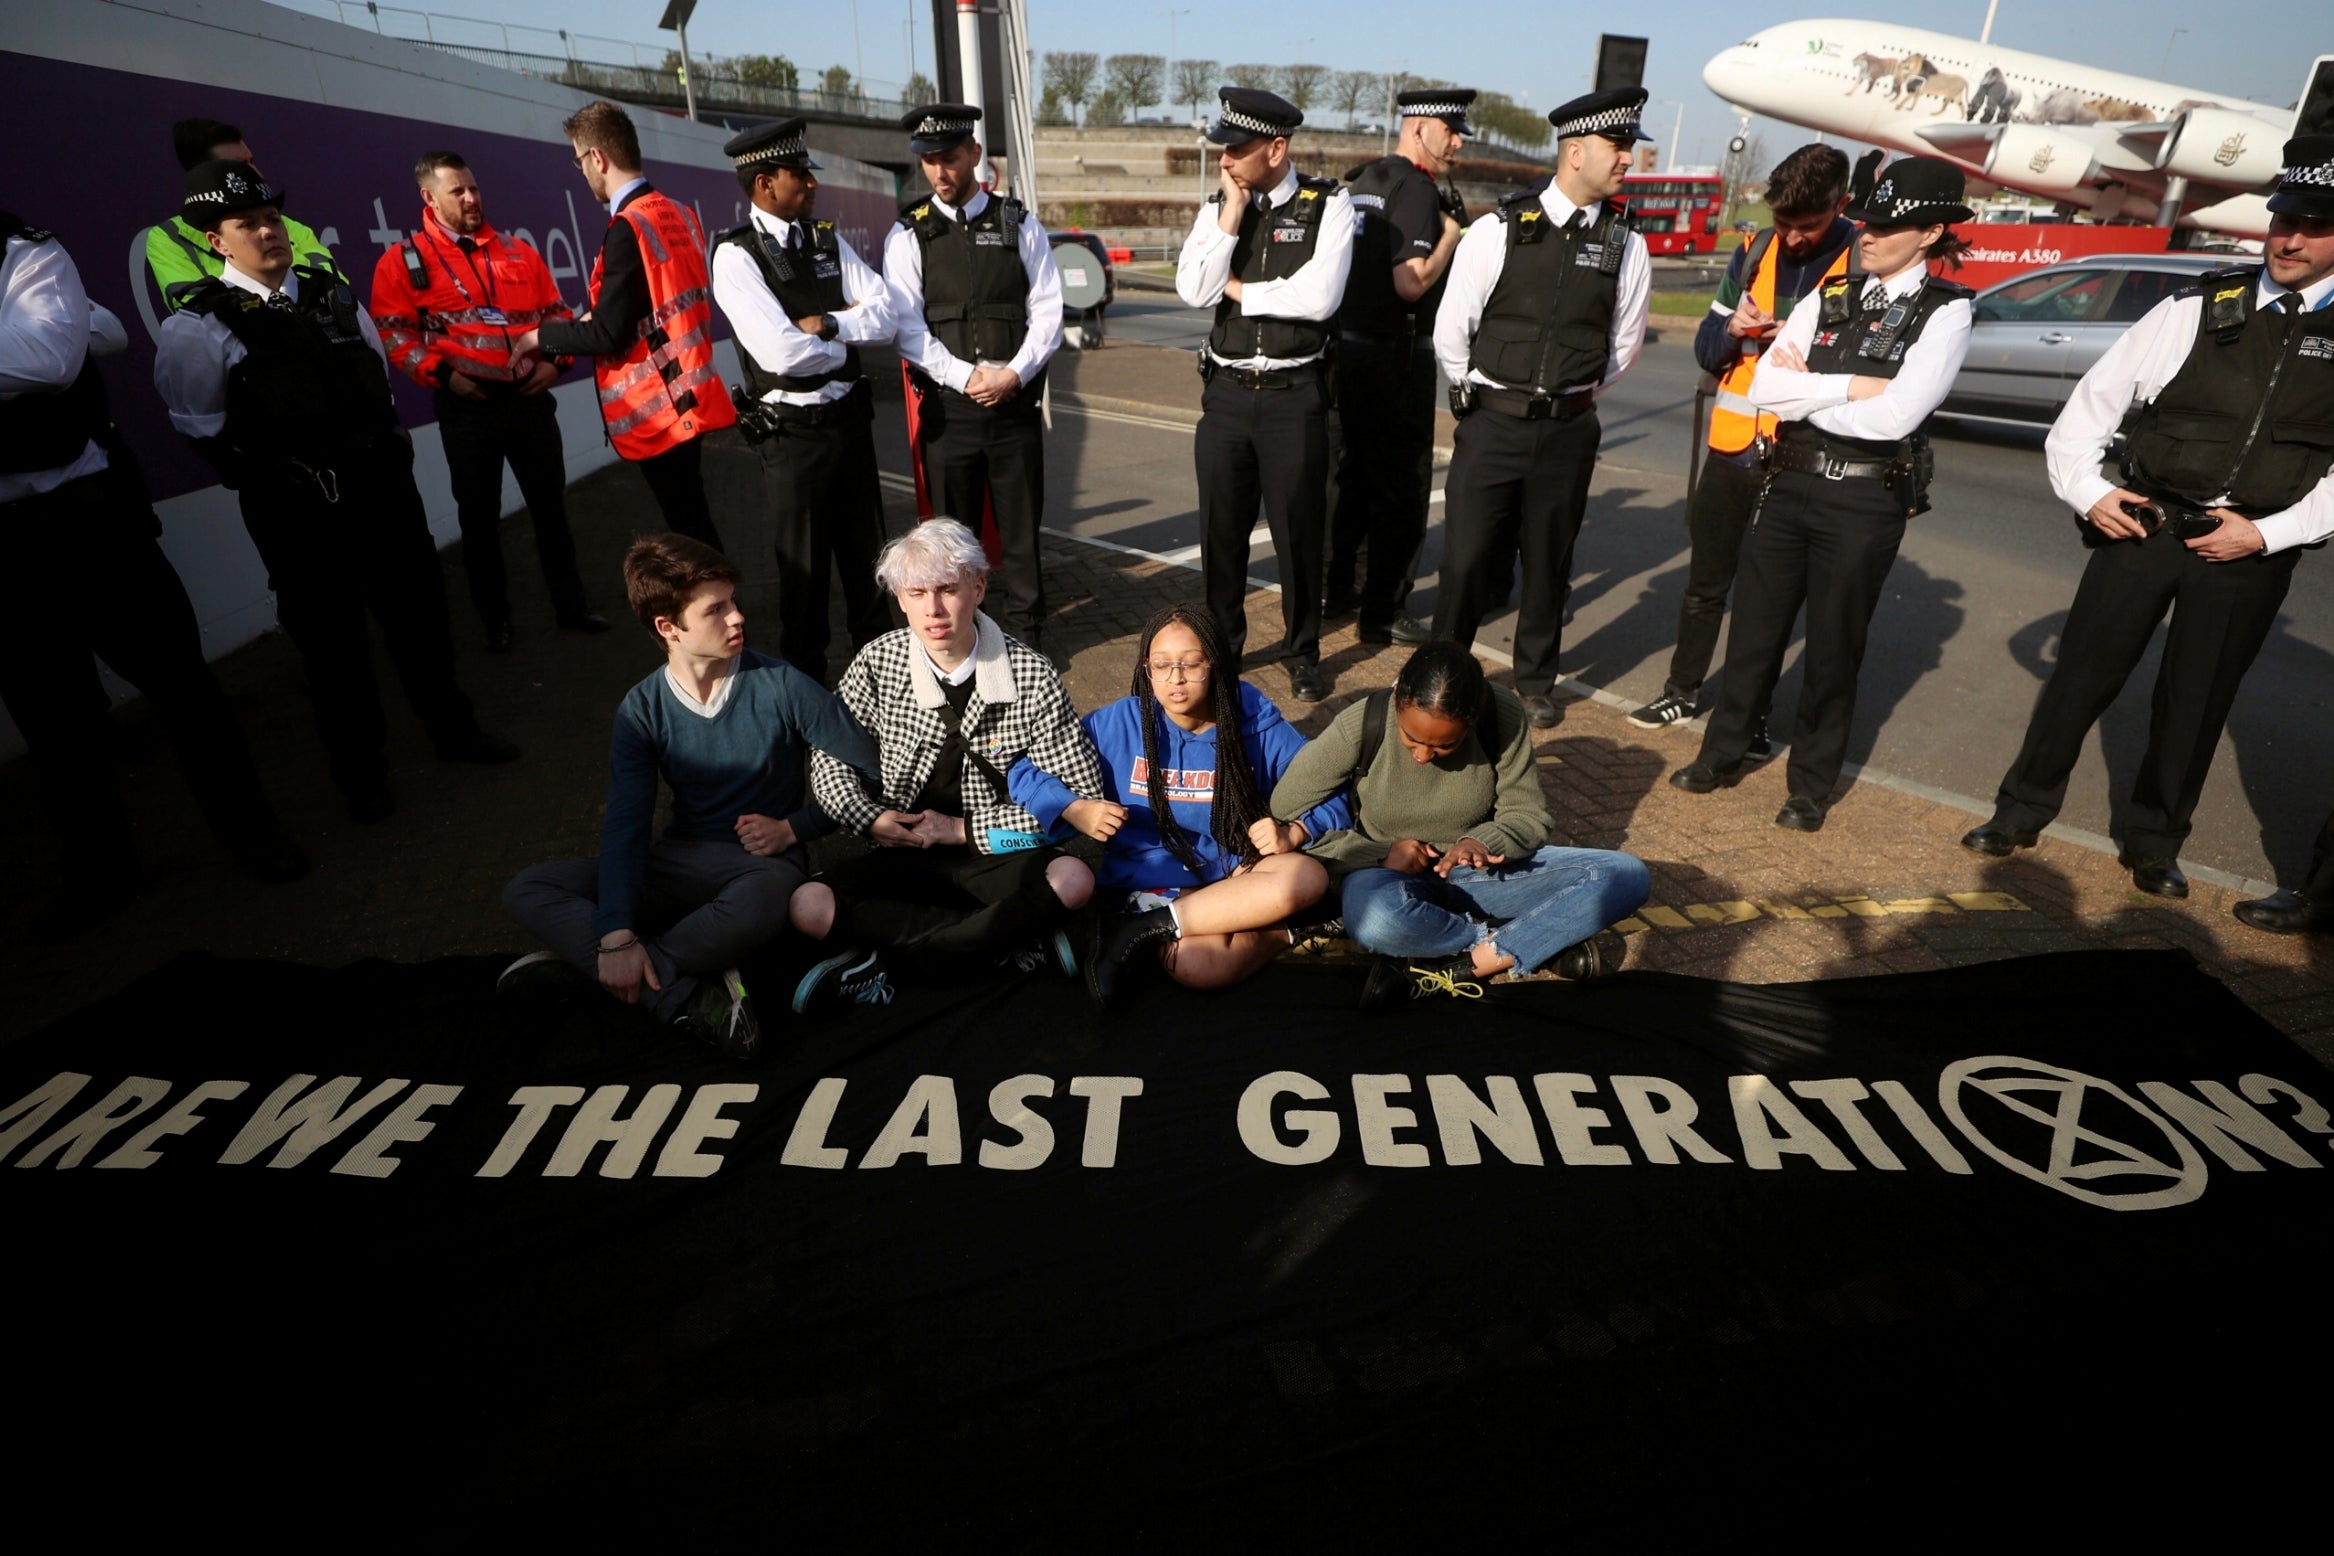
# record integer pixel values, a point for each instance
(1434, 981)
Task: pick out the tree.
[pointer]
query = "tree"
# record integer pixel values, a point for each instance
(1496, 116)
(920, 91)
(1050, 109)
(768, 70)
(1108, 110)
(1136, 79)
(837, 82)
(1195, 82)
(1257, 78)
(1349, 90)
(1070, 77)
(1301, 84)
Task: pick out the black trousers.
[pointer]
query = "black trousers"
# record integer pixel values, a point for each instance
(676, 478)
(2320, 885)
(819, 483)
(972, 452)
(329, 563)
(1827, 545)
(1516, 488)
(99, 530)
(2221, 615)
(1384, 462)
(481, 436)
(1718, 518)
(1268, 446)
(943, 911)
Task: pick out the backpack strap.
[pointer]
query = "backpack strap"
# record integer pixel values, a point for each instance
(1375, 708)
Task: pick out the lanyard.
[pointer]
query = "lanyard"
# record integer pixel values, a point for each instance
(469, 260)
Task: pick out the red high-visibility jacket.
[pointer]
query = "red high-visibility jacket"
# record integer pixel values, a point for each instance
(443, 307)
(664, 390)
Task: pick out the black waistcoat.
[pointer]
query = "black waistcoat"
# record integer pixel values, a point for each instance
(2249, 414)
(1371, 305)
(309, 389)
(804, 284)
(976, 291)
(48, 431)
(1845, 321)
(1273, 248)
(1548, 323)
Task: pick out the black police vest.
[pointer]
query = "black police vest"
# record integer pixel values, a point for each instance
(1548, 324)
(1372, 306)
(812, 285)
(309, 389)
(47, 431)
(1273, 249)
(1844, 323)
(2249, 414)
(976, 291)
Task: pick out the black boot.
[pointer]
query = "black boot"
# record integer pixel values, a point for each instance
(1116, 938)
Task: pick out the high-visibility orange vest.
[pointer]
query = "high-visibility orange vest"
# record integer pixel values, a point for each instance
(1734, 422)
(664, 390)
(440, 307)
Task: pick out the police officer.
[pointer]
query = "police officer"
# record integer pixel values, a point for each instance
(1810, 242)
(2226, 396)
(1410, 223)
(1546, 306)
(650, 333)
(176, 255)
(801, 302)
(978, 307)
(447, 301)
(1270, 252)
(277, 377)
(1852, 377)
(77, 527)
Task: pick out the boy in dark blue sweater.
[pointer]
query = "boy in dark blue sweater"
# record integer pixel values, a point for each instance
(665, 923)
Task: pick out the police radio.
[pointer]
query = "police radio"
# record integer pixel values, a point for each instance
(1883, 338)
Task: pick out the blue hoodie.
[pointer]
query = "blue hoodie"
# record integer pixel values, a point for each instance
(1137, 859)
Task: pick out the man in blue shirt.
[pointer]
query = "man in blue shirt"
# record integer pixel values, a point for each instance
(665, 923)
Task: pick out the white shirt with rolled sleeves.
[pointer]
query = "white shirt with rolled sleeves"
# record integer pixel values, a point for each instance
(48, 327)
(765, 329)
(2133, 372)
(1821, 399)
(197, 352)
(1475, 269)
(1311, 292)
(903, 271)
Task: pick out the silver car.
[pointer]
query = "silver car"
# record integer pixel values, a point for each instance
(2036, 335)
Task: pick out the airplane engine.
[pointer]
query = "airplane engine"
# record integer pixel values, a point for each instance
(2213, 145)
(2037, 157)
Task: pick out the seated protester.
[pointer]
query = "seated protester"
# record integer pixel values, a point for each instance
(1210, 889)
(960, 874)
(666, 923)
(1444, 875)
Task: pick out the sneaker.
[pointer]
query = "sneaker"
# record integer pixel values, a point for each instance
(1667, 709)
(544, 970)
(1062, 952)
(1394, 979)
(849, 978)
(721, 1013)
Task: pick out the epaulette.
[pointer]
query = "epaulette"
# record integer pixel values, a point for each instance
(1320, 185)
(209, 294)
(1516, 198)
(1950, 289)
(14, 226)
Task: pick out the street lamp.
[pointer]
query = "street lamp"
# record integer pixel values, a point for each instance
(676, 20)
(2166, 67)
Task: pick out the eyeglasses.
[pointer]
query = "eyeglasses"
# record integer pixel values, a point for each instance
(1177, 669)
(578, 158)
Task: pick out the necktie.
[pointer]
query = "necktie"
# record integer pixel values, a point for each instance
(794, 240)
(2291, 302)
(280, 301)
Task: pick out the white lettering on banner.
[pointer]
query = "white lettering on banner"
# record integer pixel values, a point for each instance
(1009, 1106)
(385, 237)
(1317, 1129)
(370, 1158)
(125, 1102)
(2059, 1118)
(931, 1099)
(628, 1139)
(2259, 1088)
(1375, 1120)
(1505, 1120)
(183, 1115)
(1571, 1124)
(1662, 1132)
(1103, 1094)
(2224, 1119)
(29, 1114)
(807, 1145)
(680, 1158)
(305, 1124)
(1921, 1126)
(1841, 1096)
(1759, 1103)
(535, 1105)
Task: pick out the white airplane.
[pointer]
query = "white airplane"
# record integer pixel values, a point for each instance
(2117, 145)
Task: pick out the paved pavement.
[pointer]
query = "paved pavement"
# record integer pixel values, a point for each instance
(1882, 888)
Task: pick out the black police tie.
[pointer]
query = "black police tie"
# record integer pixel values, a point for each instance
(794, 241)
(2291, 302)
(281, 301)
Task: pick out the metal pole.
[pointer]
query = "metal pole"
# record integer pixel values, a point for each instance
(688, 87)
(858, 49)
(1987, 36)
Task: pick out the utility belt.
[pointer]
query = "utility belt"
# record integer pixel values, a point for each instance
(762, 420)
(1906, 472)
(1527, 406)
(1261, 378)
(926, 387)
(1411, 335)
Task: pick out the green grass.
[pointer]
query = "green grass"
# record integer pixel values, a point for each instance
(1690, 304)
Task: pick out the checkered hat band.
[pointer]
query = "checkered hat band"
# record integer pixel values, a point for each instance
(935, 125)
(2321, 176)
(1434, 110)
(1598, 123)
(1249, 122)
(772, 152)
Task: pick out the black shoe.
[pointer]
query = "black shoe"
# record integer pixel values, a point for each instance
(480, 747)
(1308, 682)
(1542, 711)
(1404, 629)
(584, 621)
(2286, 913)
(367, 806)
(1701, 777)
(1600, 955)
(850, 978)
(1394, 979)
(1996, 841)
(498, 637)
(1335, 605)
(722, 1013)
(1760, 747)
(2156, 877)
(1800, 814)
(1111, 941)
(275, 860)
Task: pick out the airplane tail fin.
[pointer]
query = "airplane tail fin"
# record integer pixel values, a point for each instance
(2314, 113)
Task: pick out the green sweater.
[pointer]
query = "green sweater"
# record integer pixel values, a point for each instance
(1464, 794)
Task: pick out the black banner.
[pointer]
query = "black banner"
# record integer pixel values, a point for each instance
(345, 1257)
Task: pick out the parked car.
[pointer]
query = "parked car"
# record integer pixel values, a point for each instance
(2037, 334)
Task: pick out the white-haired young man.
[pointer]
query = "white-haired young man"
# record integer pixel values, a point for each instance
(959, 874)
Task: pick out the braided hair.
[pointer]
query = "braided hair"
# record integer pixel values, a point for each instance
(1235, 805)
(1446, 681)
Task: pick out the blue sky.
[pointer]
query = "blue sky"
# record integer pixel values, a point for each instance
(2248, 48)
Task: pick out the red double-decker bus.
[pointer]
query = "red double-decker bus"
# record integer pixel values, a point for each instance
(1676, 213)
